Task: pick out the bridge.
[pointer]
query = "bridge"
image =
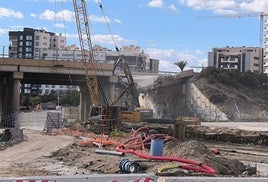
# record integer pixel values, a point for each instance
(16, 71)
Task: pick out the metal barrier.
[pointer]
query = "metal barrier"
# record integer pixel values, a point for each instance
(8, 120)
(142, 177)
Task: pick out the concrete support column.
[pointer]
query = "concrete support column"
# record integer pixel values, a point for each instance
(1, 97)
(5, 95)
(15, 99)
(113, 80)
(84, 104)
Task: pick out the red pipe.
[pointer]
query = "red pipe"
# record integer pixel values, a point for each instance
(198, 167)
(138, 142)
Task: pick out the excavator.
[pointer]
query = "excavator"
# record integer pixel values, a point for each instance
(103, 116)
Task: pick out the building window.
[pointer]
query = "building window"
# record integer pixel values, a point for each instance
(21, 37)
(29, 37)
(256, 58)
(28, 43)
(28, 55)
(28, 49)
(37, 37)
(21, 43)
(36, 43)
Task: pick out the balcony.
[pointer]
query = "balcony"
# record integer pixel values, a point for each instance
(265, 65)
(229, 60)
(229, 67)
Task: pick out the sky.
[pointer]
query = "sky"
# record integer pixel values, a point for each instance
(168, 30)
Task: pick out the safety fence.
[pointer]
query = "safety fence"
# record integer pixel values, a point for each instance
(8, 120)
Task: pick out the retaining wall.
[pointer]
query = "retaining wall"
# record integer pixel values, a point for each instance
(201, 105)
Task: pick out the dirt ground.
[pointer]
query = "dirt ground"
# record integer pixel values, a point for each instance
(43, 154)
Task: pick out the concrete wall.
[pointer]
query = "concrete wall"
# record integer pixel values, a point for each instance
(200, 103)
(181, 99)
(167, 102)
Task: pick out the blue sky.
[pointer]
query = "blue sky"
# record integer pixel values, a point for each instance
(168, 30)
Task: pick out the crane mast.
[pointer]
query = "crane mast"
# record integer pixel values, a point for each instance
(109, 116)
(86, 50)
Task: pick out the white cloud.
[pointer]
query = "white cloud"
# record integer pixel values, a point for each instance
(227, 6)
(255, 6)
(59, 25)
(156, 3)
(107, 39)
(4, 12)
(103, 40)
(98, 19)
(173, 8)
(61, 15)
(66, 15)
(117, 21)
(3, 31)
(169, 57)
(33, 15)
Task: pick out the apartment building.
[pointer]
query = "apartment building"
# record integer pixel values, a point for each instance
(242, 59)
(136, 58)
(32, 44)
(265, 49)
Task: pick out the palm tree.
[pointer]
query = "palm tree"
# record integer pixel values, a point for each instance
(181, 64)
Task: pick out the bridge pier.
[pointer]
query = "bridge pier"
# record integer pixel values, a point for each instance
(84, 104)
(15, 99)
(10, 97)
(9, 107)
(108, 85)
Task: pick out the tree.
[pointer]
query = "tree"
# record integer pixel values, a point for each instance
(35, 100)
(181, 64)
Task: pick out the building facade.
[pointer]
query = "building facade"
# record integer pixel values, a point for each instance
(265, 49)
(31, 44)
(242, 59)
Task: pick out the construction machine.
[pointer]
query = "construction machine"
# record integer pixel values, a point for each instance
(103, 116)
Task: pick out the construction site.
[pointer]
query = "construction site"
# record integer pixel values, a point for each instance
(185, 126)
(188, 146)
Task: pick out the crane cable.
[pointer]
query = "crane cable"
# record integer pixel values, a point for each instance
(108, 26)
(64, 30)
